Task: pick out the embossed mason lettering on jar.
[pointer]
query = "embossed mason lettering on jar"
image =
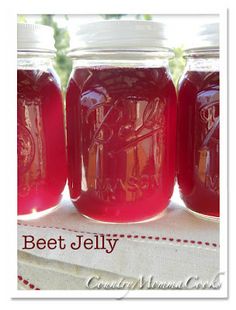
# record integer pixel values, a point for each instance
(40, 128)
(121, 117)
(198, 140)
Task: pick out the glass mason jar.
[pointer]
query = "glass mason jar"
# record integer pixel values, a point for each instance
(121, 121)
(40, 123)
(198, 126)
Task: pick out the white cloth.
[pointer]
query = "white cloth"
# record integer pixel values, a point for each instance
(172, 248)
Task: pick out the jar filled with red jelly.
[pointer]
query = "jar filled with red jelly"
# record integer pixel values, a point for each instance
(198, 126)
(121, 121)
(41, 148)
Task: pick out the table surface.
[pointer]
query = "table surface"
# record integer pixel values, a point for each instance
(174, 247)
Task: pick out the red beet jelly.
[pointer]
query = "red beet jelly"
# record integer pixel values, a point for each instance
(121, 126)
(40, 141)
(198, 174)
(40, 123)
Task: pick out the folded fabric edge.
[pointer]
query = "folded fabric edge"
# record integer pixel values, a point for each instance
(39, 273)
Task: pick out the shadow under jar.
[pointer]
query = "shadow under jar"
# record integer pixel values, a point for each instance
(198, 127)
(40, 124)
(121, 122)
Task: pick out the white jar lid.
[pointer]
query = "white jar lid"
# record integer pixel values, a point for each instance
(34, 37)
(207, 38)
(119, 35)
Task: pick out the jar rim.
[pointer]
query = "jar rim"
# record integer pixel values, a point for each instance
(25, 53)
(83, 53)
(202, 52)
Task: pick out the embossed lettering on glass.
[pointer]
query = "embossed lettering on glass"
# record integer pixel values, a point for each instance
(198, 126)
(121, 119)
(40, 125)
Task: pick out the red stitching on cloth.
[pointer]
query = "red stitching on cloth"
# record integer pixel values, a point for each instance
(26, 282)
(129, 236)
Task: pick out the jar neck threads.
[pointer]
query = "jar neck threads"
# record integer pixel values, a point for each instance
(121, 58)
(202, 64)
(34, 61)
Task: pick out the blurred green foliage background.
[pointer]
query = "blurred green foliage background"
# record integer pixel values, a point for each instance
(63, 64)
